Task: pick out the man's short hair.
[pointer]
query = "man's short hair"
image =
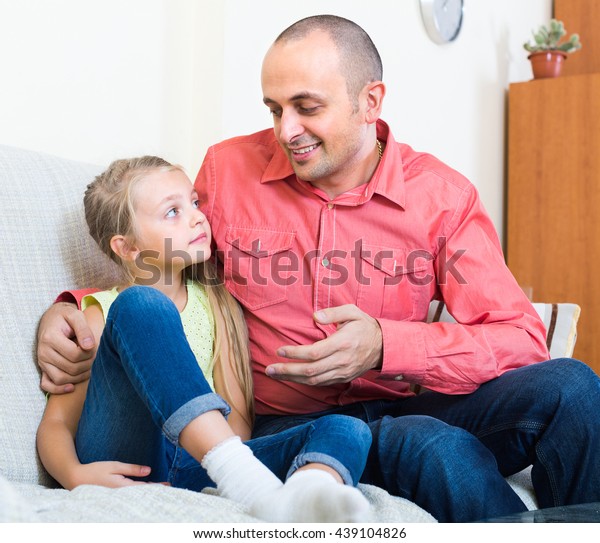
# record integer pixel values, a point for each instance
(360, 62)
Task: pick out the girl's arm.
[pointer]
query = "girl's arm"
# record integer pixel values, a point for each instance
(56, 435)
(227, 386)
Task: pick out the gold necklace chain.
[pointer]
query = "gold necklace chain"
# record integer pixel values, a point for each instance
(379, 149)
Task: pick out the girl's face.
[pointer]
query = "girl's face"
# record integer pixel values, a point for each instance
(171, 231)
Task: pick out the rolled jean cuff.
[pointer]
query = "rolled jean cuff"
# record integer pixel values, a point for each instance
(191, 410)
(308, 458)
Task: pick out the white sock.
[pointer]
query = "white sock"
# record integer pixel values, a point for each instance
(238, 474)
(313, 496)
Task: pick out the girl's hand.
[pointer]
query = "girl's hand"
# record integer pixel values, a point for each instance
(109, 474)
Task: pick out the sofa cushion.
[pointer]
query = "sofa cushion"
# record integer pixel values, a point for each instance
(45, 249)
(158, 503)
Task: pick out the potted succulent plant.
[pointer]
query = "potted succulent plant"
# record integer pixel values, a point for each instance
(549, 49)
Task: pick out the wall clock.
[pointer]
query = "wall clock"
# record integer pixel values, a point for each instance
(442, 18)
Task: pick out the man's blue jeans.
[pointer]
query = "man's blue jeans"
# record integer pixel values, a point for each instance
(146, 386)
(450, 454)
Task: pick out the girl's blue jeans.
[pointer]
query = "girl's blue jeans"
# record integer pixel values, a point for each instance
(450, 454)
(146, 386)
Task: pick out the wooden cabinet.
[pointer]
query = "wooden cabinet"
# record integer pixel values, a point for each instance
(581, 17)
(553, 197)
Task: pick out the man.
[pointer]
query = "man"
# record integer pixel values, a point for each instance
(335, 238)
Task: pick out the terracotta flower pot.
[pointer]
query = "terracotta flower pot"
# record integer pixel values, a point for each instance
(547, 63)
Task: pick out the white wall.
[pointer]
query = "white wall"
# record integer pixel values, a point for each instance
(95, 80)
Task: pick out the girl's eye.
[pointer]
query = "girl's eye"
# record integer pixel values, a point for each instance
(196, 204)
(172, 212)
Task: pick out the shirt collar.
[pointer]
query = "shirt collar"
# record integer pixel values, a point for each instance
(279, 168)
(387, 181)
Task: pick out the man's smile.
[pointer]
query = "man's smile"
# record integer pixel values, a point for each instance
(303, 153)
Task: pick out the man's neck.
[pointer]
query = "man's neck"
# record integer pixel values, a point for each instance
(362, 175)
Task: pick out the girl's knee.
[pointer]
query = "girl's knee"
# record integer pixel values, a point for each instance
(355, 431)
(139, 300)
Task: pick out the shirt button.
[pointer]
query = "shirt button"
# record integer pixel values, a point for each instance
(325, 262)
(398, 377)
(330, 206)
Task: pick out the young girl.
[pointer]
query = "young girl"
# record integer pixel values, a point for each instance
(173, 363)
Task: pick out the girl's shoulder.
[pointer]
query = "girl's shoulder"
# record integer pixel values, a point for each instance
(103, 299)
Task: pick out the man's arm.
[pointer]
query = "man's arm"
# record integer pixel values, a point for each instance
(497, 328)
(66, 344)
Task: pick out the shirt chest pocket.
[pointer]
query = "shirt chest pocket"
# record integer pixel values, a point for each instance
(257, 265)
(395, 283)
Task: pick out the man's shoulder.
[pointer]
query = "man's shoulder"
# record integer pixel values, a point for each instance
(418, 165)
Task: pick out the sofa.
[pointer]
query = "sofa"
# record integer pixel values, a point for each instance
(46, 249)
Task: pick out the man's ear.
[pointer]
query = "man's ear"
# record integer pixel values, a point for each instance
(123, 248)
(375, 92)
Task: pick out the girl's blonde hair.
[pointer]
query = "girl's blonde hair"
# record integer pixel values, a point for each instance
(110, 211)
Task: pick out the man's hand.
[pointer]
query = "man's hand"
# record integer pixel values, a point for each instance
(353, 349)
(110, 474)
(66, 348)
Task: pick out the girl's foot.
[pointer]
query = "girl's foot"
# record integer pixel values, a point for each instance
(313, 496)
